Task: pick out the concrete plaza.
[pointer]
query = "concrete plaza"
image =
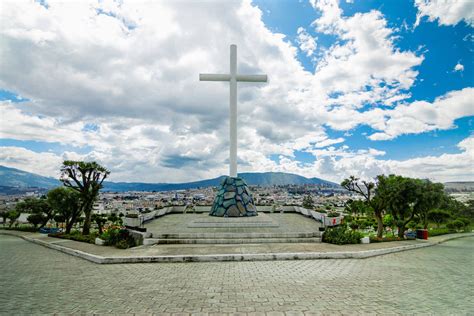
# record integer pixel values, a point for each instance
(432, 280)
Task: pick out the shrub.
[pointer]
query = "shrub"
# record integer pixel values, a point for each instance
(348, 218)
(388, 220)
(341, 235)
(455, 225)
(84, 238)
(353, 225)
(132, 215)
(117, 237)
(465, 220)
(439, 231)
(333, 214)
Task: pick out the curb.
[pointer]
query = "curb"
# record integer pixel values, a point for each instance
(235, 257)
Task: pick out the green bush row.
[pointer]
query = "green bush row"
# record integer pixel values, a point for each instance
(341, 235)
(439, 231)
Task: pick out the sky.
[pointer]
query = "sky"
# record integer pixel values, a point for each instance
(355, 87)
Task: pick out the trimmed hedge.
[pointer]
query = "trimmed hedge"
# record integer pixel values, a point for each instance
(440, 231)
(341, 235)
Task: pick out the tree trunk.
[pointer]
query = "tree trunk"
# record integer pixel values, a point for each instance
(87, 209)
(87, 223)
(69, 226)
(378, 217)
(401, 231)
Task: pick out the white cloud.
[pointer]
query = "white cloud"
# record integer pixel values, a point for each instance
(336, 164)
(306, 41)
(447, 12)
(328, 142)
(459, 67)
(46, 164)
(422, 116)
(131, 68)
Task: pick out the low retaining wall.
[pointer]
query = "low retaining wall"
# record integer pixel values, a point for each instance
(236, 257)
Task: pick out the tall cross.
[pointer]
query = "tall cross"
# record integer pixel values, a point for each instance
(233, 78)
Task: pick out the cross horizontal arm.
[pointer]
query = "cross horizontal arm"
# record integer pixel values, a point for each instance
(214, 77)
(252, 78)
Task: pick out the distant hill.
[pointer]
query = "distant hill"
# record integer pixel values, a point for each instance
(252, 178)
(14, 178)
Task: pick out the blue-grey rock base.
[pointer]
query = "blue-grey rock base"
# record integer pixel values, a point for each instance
(233, 199)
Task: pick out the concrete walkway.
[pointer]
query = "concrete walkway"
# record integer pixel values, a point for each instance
(239, 252)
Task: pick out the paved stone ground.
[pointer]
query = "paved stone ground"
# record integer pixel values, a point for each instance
(433, 280)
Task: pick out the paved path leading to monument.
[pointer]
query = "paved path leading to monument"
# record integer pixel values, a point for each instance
(436, 279)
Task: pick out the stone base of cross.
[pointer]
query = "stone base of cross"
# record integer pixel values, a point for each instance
(229, 202)
(233, 199)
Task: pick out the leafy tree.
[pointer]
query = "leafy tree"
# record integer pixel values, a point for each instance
(401, 195)
(373, 204)
(388, 221)
(59, 218)
(409, 199)
(12, 216)
(86, 178)
(308, 202)
(357, 207)
(66, 202)
(100, 220)
(39, 207)
(35, 219)
(430, 196)
(439, 216)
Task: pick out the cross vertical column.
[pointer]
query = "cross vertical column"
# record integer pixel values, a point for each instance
(233, 111)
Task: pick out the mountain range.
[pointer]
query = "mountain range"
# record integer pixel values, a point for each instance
(15, 178)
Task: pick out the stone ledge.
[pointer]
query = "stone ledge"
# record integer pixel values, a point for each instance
(237, 257)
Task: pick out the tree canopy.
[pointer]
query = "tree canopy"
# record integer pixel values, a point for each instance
(86, 178)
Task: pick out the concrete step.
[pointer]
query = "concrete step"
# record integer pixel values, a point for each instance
(236, 235)
(168, 241)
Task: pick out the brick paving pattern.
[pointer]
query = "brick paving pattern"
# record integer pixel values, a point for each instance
(433, 280)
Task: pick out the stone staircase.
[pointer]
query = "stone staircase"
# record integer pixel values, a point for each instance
(233, 238)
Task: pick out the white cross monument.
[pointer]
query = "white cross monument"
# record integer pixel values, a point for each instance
(233, 78)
